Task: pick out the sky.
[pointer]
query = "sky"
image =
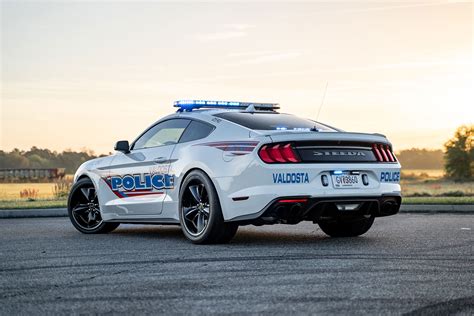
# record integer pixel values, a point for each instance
(84, 74)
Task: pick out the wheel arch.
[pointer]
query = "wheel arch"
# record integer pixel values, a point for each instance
(83, 176)
(207, 174)
(191, 170)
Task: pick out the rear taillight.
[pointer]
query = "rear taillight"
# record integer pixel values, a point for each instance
(279, 153)
(389, 153)
(383, 153)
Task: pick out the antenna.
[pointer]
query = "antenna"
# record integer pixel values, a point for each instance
(250, 108)
(322, 101)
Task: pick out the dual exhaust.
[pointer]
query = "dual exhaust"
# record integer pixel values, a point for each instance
(295, 210)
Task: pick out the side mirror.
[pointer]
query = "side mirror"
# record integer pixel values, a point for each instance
(123, 146)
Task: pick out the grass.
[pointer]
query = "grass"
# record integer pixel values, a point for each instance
(421, 182)
(11, 191)
(435, 188)
(431, 183)
(25, 204)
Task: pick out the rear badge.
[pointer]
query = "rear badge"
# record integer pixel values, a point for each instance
(293, 177)
(338, 153)
(390, 176)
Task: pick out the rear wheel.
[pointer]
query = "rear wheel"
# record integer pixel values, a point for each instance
(347, 227)
(84, 211)
(200, 212)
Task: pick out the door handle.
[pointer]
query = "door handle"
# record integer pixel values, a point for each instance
(160, 160)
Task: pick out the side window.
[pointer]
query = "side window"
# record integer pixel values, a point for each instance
(196, 130)
(165, 133)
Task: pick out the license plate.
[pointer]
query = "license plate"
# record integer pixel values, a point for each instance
(346, 181)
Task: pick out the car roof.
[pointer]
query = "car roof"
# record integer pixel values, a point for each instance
(208, 114)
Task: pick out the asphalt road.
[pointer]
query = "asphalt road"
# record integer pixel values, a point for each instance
(407, 263)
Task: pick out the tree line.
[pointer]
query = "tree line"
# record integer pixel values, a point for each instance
(457, 159)
(417, 158)
(45, 158)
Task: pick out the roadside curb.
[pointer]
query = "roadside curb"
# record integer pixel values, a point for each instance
(28, 213)
(438, 208)
(405, 208)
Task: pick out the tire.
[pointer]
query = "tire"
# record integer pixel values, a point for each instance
(347, 228)
(200, 212)
(84, 211)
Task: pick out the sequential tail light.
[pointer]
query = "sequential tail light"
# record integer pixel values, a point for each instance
(383, 153)
(278, 153)
(289, 154)
(389, 153)
(377, 153)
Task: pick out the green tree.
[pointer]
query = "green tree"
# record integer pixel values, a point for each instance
(459, 154)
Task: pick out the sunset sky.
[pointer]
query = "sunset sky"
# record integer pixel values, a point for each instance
(86, 74)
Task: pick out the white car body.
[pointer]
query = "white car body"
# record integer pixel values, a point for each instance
(246, 185)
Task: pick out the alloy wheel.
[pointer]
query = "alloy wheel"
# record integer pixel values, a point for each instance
(86, 211)
(195, 208)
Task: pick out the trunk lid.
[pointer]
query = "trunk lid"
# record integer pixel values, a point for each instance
(334, 147)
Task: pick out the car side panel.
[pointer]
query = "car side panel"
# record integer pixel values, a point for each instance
(225, 152)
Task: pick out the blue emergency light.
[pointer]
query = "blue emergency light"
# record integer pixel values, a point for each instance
(189, 105)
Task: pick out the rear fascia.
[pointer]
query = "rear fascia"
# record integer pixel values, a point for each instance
(257, 181)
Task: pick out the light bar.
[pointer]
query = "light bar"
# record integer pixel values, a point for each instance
(189, 105)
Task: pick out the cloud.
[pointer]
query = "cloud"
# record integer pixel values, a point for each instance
(270, 58)
(263, 57)
(406, 5)
(423, 64)
(240, 26)
(230, 31)
(251, 54)
(220, 36)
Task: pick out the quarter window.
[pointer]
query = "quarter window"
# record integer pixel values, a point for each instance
(196, 130)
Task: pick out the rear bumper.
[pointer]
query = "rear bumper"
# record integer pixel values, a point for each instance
(294, 209)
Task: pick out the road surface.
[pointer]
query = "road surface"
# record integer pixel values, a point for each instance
(419, 264)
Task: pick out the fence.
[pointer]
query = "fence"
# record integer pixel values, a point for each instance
(25, 175)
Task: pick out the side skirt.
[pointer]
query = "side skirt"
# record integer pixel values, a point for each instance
(158, 221)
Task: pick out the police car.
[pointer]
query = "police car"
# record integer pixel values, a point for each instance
(213, 166)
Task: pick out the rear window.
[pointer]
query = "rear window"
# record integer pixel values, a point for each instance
(272, 121)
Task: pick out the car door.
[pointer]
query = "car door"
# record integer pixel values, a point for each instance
(139, 179)
(195, 131)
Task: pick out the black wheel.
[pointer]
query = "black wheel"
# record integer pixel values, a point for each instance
(200, 212)
(347, 227)
(84, 211)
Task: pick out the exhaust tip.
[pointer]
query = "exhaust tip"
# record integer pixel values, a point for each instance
(296, 208)
(389, 207)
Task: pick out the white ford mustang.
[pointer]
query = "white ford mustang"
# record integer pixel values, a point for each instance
(215, 165)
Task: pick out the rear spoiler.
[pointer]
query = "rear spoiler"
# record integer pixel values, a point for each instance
(282, 136)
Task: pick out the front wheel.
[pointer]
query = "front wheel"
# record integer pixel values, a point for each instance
(83, 209)
(347, 228)
(200, 213)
